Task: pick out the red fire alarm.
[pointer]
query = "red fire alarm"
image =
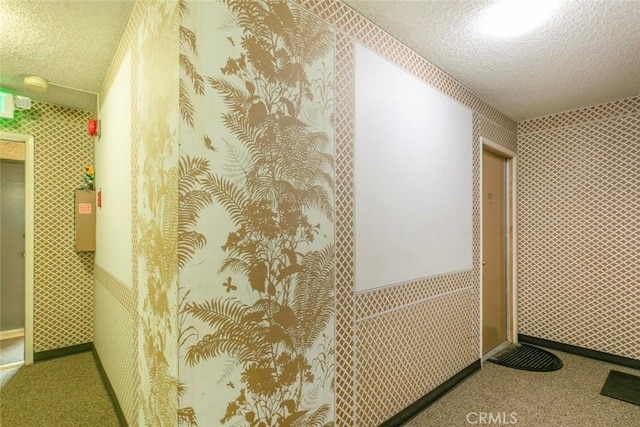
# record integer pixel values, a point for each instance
(92, 127)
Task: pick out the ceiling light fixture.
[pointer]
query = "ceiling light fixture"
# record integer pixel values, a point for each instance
(510, 18)
(36, 83)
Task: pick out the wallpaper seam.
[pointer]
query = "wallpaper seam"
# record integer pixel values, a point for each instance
(416, 302)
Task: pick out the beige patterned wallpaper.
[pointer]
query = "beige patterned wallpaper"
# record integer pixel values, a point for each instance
(578, 228)
(136, 323)
(63, 278)
(154, 171)
(116, 316)
(115, 339)
(379, 348)
(394, 371)
(377, 358)
(375, 332)
(256, 215)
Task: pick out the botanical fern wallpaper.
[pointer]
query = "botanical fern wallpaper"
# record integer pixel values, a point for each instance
(155, 182)
(256, 201)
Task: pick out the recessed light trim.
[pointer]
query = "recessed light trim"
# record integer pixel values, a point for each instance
(511, 18)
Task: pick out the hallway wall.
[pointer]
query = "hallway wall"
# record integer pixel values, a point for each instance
(256, 215)
(579, 227)
(116, 316)
(136, 259)
(63, 278)
(397, 343)
(390, 346)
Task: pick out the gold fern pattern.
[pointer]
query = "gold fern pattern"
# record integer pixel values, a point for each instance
(192, 200)
(156, 266)
(188, 39)
(270, 308)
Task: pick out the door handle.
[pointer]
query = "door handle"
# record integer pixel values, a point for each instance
(483, 262)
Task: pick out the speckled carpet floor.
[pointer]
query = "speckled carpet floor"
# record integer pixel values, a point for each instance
(66, 392)
(569, 397)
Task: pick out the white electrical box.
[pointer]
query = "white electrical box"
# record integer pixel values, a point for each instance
(7, 105)
(22, 102)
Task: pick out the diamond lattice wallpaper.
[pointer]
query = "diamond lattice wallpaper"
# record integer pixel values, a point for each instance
(116, 317)
(379, 348)
(579, 228)
(63, 278)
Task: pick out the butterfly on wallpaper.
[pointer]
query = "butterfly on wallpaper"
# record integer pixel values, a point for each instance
(228, 285)
(208, 144)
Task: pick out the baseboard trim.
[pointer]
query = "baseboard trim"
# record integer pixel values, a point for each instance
(60, 352)
(581, 351)
(122, 420)
(416, 407)
(11, 333)
(11, 365)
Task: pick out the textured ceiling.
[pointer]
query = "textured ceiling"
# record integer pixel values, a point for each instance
(69, 43)
(588, 53)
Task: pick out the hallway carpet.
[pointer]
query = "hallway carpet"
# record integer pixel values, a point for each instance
(569, 397)
(66, 391)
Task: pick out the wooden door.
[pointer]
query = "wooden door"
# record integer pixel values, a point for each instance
(494, 245)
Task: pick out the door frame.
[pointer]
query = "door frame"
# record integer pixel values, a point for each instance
(29, 255)
(512, 288)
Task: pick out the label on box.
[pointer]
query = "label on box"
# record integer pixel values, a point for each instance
(84, 208)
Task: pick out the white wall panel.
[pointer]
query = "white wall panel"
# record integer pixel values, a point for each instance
(113, 178)
(413, 184)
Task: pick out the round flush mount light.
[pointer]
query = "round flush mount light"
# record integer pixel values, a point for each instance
(36, 83)
(510, 18)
